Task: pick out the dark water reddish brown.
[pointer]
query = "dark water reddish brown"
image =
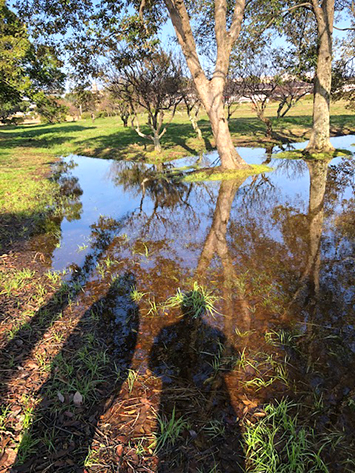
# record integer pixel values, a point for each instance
(275, 249)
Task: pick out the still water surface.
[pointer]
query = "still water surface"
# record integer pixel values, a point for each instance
(274, 252)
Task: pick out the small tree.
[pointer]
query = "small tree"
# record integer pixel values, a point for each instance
(120, 97)
(83, 99)
(192, 104)
(266, 77)
(232, 96)
(343, 74)
(153, 85)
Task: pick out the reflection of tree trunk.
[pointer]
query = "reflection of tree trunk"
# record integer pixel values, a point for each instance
(318, 179)
(216, 243)
(268, 151)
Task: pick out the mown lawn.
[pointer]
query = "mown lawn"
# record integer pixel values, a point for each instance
(27, 151)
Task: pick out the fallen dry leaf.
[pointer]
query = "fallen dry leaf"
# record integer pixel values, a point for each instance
(78, 399)
(60, 396)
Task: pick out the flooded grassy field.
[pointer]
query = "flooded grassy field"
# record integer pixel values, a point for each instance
(186, 326)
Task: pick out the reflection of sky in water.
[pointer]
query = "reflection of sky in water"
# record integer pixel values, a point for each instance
(287, 184)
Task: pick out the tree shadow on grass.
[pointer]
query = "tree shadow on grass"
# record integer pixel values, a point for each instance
(86, 378)
(27, 132)
(198, 429)
(20, 348)
(126, 142)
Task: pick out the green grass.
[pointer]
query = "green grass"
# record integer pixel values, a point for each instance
(26, 152)
(107, 138)
(280, 443)
(194, 303)
(303, 154)
(218, 175)
(170, 430)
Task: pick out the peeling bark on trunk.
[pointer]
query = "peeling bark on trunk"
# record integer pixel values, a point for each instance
(319, 141)
(211, 91)
(230, 159)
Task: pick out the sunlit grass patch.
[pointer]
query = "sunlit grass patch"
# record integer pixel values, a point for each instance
(15, 280)
(195, 302)
(281, 443)
(218, 175)
(304, 154)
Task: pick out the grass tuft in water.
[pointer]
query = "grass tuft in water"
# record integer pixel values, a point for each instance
(195, 302)
(218, 175)
(170, 430)
(304, 154)
(279, 443)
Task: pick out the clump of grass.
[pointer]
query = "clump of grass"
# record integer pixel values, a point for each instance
(136, 296)
(280, 443)
(304, 154)
(282, 337)
(15, 281)
(218, 175)
(170, 430)
(195, 302)
(131, 379)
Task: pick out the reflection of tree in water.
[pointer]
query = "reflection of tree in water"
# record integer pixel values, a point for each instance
(216, 243)
(318, 177)
(191, 357)
(155, 181)
(62, 433)
(67, 205)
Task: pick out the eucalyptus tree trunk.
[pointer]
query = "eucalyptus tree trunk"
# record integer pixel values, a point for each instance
(156, 141)
(319, 141)
(211, 91)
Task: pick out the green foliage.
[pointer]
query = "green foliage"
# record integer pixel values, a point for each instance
(194, 303)
(49, 109)
(218, 175)
(25, 67)
(170, 430)
(82, 98)
(279, 443)
(304, 154)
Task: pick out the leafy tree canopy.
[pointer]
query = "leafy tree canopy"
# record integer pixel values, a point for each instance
(25, 67)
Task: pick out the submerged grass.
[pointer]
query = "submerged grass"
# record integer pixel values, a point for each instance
(170, 430)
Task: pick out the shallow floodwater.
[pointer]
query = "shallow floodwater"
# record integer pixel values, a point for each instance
(263, 244)
(220, 296)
